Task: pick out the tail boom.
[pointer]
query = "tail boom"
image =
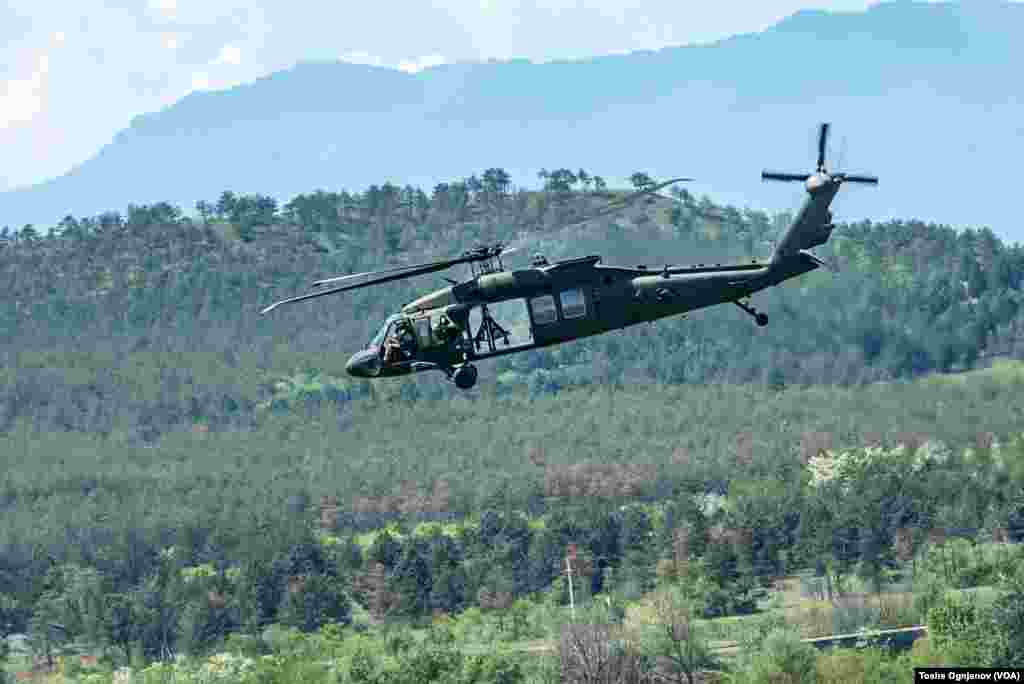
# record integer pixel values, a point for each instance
(813, 224)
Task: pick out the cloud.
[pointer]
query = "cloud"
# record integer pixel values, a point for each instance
(24, 98)
(421, 63)
(230, 55)
(169, 41)
(164, 9)
(361, 57)
(410, 65)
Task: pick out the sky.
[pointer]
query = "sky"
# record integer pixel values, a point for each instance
(74, 74)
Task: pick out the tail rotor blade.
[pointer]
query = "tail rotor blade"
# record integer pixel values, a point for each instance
(822, 141)
(777, 176)
(871, 180)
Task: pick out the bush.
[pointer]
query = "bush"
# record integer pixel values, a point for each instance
(965, 633)
(924, 654)
(1008, 617)
(783, 659)
(865, 666)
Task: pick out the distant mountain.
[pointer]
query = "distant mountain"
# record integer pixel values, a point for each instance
(928, 96)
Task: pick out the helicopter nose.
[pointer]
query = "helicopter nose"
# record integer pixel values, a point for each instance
(364, 364)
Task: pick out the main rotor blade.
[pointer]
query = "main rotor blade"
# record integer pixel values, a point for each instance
(401, 272)
(619, 204)
(413, 271)
(648, 190)
(822, 140)
(775, 175)
(364, 274)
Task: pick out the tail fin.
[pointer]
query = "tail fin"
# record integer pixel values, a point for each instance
(812, 225)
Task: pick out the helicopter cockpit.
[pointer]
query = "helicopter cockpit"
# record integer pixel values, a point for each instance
(382, 334)
(384, 349)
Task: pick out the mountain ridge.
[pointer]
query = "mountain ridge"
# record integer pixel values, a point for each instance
(928, 82)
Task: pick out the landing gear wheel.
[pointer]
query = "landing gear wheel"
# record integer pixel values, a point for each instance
(465, 376)
(760, 318)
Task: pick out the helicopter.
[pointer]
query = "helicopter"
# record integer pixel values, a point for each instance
(574, 298)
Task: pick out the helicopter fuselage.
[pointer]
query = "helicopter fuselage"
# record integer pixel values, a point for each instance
(566, 301)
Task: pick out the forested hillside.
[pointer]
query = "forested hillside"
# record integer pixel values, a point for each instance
(164, 447)
(101, 295)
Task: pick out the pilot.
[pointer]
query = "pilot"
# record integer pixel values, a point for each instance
(406, 339)
(392, 349)
(446, 330)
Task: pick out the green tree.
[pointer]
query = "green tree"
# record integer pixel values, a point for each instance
(585, 179)
(641, 180)
(560, 181)
(965, 632)
(1008, 619)
(318, 600)
(496, 181)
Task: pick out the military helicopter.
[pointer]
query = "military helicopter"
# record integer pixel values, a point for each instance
(574, 298)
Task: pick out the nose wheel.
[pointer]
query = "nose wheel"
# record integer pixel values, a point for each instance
(464, 376)
(760, 317)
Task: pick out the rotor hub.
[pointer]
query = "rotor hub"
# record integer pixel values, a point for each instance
(817, 180)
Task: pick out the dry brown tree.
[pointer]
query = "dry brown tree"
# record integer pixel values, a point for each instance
(681, 549)
(595, 654)
(903, 543)
(744, 448)
(374, 587)
(814, 444)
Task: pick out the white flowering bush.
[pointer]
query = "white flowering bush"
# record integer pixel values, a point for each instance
(711, 503)
(822, 468)
(932, 452)
(226, 667)
(844, 467)
(222, 668)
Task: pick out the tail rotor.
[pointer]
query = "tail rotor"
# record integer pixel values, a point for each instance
(821, 173)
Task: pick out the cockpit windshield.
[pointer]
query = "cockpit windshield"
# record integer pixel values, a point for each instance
(378, 339)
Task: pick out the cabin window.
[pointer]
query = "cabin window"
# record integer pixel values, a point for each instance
(573, 304)
(423, 331)
(543, 309)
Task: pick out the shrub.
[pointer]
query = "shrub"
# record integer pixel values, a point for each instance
(783, 659)
(965, 632)
(1008, 617)
(864, 666)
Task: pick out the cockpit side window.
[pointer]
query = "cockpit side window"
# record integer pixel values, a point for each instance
(422, 327)
(378, 339)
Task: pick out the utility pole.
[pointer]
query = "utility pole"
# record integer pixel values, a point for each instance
(572, 602)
